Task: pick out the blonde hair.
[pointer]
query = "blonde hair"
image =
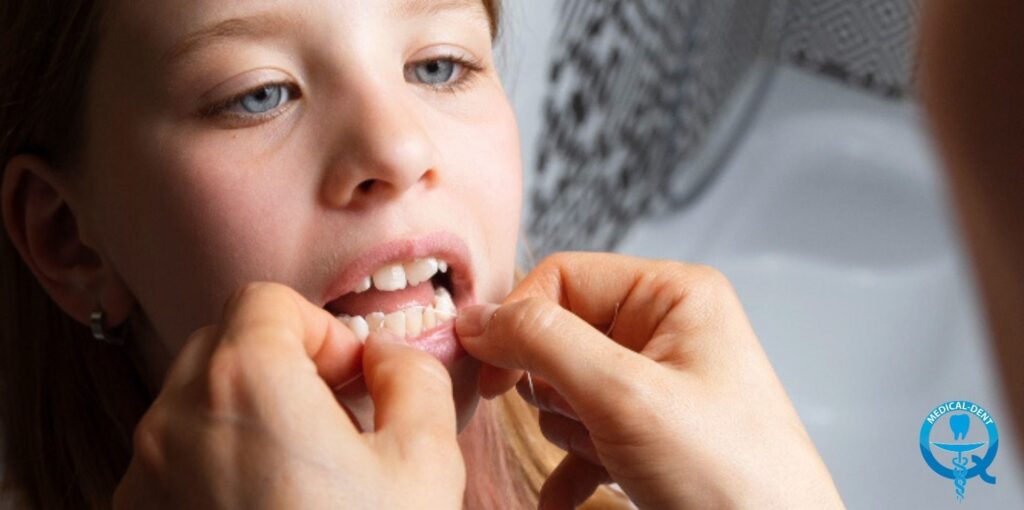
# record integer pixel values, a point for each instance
(68, 403)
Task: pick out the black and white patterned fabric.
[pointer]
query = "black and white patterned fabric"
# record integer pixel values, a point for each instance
(635, 86)
(865, 43)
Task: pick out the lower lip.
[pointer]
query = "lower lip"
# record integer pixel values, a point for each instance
(441, 343)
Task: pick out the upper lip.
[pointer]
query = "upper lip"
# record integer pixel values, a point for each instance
(442, 245)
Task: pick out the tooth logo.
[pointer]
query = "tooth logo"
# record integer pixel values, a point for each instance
(955, 417)
(959, 424)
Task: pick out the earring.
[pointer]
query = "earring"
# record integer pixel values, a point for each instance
(98, 331)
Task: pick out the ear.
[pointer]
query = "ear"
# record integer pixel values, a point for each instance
(45, 229)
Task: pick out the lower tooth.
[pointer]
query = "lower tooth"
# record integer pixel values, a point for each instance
(443, 302)
(409, 322)
(359, 327)
(395, 323)
(429, 319)
(375, 321)
(413, 320)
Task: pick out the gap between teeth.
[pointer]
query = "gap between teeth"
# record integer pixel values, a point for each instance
(407, 322)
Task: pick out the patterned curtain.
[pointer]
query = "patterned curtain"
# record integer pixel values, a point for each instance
(635, 87)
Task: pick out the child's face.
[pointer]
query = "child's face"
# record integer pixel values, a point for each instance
(350, 144)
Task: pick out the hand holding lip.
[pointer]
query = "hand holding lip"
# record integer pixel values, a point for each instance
(246, 417)
(678, 403)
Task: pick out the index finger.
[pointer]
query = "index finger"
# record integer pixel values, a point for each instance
(307, 330)
(628, 298)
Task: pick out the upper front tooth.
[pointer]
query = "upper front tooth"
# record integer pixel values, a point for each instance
(363, 285)
(442, 266)
(390, 278)
(421, 270)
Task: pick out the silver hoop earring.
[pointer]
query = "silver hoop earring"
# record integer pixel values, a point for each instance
(98, 330)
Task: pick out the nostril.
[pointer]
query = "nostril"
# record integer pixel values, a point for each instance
(367, 185)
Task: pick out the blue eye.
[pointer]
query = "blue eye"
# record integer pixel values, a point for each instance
(435, 72)
(265, 98)
(259, 103)
(447, 73)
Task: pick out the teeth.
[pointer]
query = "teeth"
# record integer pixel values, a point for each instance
(395, 323)
(359, 327)
(399, 276)
(421, 270)
(390, 278)
(409, 322)
(374, 321)
(443, 302)
(429, 318)
(414, 320)
(364, 285)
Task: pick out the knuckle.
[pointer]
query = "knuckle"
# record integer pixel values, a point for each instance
(223, 376)
(551, 268)
(148, 441)
(712, 278)
(203, 334)
(256, 292)
(526, 321)
(557, 259)
(530, 314)
(702, 289)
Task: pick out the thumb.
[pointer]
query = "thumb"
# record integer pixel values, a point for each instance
(538, 335)
(412, 395)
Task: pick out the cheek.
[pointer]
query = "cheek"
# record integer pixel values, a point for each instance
(201, 226)
(491, 185)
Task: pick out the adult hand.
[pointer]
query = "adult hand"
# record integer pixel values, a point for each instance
(649, 374)
(247, 419)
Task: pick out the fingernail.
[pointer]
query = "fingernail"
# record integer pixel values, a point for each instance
(472, 321)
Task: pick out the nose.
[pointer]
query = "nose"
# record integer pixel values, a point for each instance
(383, 149)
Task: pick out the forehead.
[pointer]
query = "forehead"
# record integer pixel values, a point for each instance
(173, 27)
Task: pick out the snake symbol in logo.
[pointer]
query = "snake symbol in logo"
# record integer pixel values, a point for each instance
(958, 414)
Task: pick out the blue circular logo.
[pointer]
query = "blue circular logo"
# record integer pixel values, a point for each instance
(946, 434)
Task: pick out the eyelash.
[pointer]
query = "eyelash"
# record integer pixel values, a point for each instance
(471, 69)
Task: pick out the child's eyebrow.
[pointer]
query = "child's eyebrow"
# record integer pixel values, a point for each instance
(257, 26)
(412, 8)
(260, 26)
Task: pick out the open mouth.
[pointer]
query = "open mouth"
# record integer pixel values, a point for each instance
(409, 299)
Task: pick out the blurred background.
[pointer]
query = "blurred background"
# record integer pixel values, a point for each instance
(780, 141)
